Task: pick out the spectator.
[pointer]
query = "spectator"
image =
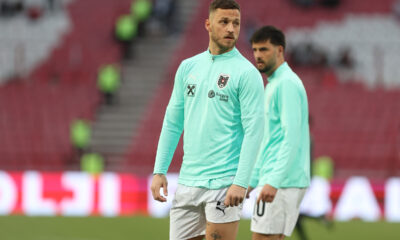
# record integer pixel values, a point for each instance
(308, 54)
(80, 133)
(312, 3)
(304, 3)
(164, 12)
(312, 207)
(345, 65)
(126, 30)
(141, 10)
(330, 3)
(345, 58)
(108, 82)
(9, 8)
(92, 163)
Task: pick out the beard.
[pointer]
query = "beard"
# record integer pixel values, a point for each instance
(268, 66)
(223, 46)
(266, 69)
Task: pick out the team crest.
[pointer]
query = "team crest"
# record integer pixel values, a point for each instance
(222, 80)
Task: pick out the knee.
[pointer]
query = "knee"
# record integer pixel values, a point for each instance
(258, 236)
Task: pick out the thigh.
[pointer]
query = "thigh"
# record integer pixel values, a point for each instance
(222, 221)
(259, 236)
(222, 231)
(280, 216)
(187, 222)
(187, 218)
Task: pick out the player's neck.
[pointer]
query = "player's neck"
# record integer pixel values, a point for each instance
(279, 62)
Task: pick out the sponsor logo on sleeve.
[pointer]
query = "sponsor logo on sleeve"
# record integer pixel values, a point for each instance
(191, 90)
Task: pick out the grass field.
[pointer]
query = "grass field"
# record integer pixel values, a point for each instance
(132, 228)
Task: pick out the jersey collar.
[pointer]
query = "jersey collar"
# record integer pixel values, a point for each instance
(229, 54)
(278, 71)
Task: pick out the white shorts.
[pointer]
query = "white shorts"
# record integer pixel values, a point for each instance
(193, 207)
(280, 216)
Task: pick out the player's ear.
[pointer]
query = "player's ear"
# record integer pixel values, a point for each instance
(281, 50)
(207, 25)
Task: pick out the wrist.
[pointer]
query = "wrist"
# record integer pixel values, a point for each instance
(245, 188)
(158, 174)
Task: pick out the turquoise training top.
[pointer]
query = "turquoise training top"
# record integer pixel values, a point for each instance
(218, 101)
(284, 157)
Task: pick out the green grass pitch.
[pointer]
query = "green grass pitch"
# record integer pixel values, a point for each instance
(146, 228)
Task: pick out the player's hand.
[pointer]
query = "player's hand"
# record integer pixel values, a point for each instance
(234, 195)
(159, 181)
(249, 189)
(267, 194)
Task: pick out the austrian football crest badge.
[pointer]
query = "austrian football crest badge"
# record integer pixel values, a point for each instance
(222, 80)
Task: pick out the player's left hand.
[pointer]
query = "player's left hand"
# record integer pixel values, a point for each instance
(234, 195)
(267, 194)
(249, 189)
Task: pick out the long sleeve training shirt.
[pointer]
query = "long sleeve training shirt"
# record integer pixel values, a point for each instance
(284, 157)
(217, 101)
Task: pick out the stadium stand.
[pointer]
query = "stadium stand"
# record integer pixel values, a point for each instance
(23, 49)
(355, 122)
(36, 109)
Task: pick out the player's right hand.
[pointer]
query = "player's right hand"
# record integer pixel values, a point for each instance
(267, 194)
(159, 181)
(234, 195)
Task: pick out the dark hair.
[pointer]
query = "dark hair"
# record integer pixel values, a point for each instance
(223, 4)
(271, 33)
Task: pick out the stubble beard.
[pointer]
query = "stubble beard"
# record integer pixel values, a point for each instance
(222, 47)
(268, 67)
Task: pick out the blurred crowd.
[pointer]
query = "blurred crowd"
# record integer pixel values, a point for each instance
(314, 3)
(34, 9)
(146, 17)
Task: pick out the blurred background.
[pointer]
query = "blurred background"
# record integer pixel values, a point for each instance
(84, 85)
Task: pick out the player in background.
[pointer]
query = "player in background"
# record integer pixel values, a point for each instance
(282, 171)
(217, 100)
(316, 204)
